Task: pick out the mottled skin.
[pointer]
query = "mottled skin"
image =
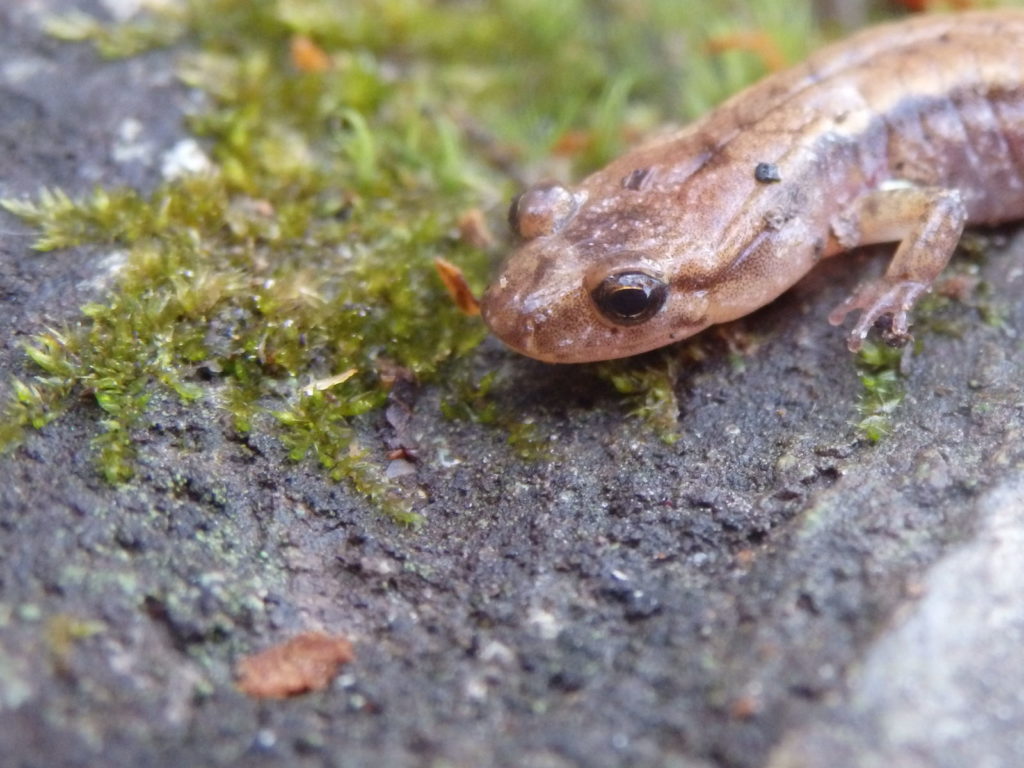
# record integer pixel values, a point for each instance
(903, 132)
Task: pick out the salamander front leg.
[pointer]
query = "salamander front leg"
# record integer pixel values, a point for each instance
(927, 222)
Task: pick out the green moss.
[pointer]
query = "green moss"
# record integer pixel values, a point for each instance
(471, 401)
(650, 390)
(118, 40)
(879, 371)
(476, 401)
(305, 250)
(63, 631)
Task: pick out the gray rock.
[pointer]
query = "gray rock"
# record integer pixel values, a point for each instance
(943, 686)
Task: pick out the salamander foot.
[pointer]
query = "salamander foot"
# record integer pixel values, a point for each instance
(883, 304)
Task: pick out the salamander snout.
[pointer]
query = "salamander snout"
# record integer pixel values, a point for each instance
(539, 319)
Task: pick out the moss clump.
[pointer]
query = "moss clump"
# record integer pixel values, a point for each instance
(651, 392)
(879, 371)
(342, 142)
(119, 40)
(475, 401)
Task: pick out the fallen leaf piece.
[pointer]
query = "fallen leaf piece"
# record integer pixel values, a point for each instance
(321, 385)
(761, 44)
(473, 229)
(745, 708)
(307, 56)
(307, 662)
(457, 287)
(572, 143)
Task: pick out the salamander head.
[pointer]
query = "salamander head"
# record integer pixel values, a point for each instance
(584, 291)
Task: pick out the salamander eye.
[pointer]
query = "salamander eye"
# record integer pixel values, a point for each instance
(629, 298)
(541, 210)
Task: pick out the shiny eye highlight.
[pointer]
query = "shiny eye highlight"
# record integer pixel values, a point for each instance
(629, 298)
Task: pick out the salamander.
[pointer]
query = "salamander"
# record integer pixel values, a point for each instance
(902, 133)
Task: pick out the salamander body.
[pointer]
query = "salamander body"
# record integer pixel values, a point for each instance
(902, 133)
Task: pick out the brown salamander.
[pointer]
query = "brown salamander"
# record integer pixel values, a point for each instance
(902, 133)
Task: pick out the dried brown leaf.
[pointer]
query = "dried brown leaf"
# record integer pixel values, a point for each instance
(457, 287)
(307, 662)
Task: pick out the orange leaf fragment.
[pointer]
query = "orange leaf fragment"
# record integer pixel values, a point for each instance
(473, 229)
(457, 287)
(307, 56)
(307, 662)
(745, 708)
(572, 143)
(761, 44)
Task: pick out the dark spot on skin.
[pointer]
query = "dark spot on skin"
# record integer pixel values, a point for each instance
(819, 248)
(776, 219)
(543, 268)
(635, 179)
(841, 117)
(767, 173)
